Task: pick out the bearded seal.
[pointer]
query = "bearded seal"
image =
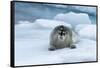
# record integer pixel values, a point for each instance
(61, 37)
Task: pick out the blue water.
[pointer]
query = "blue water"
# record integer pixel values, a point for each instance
(33, 11)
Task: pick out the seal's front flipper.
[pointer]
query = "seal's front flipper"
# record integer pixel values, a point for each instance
(72, 46)
(52, 48)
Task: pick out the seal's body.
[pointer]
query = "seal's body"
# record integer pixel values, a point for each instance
(61, 37)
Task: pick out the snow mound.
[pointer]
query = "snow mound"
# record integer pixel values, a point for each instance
(25, 25)
(80, 26)
(73, 18)
(75, 37)
(40, 23)
(31, 45)
(88, 31)
(46, 23)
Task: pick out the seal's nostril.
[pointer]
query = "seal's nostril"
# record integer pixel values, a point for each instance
(64, 34)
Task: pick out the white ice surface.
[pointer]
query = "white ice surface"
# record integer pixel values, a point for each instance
(32, 43)
(80, 26)
(87, 31)
(73, 18)
(32, 49)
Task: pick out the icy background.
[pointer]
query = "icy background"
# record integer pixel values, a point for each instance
(34, 23)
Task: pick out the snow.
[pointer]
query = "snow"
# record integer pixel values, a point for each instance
(73, 18)
(88, 31)
(80, 26)
(41, 24)
(32, 41)
(46, 23)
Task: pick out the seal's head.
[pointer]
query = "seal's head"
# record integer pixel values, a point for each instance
(62, 32)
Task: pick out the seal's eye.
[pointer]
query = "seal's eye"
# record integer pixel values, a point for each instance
(64, 32)
(59, 32)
